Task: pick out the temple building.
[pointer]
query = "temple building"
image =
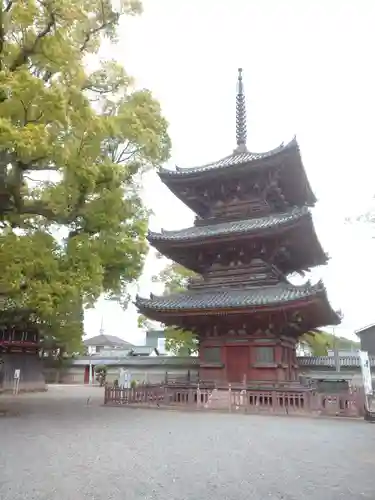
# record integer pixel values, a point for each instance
(19, 348)
(253, 228)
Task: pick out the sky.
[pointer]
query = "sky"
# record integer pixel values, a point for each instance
(308, 70)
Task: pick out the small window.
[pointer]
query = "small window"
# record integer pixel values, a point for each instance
(265, 355)
(212, 355)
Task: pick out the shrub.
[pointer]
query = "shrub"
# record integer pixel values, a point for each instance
(101, 369)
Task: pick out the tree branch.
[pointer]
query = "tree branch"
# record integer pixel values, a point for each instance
(37, 208)
(93, 32)
(26, 52)
(2, 36)
(5, 11)
(8, 6)
(26, 110)
(36, 167)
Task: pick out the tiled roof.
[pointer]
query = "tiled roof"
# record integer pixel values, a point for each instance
(227, 298)
(365, 329)
(106, 340)
(235, 227)
(229, 161)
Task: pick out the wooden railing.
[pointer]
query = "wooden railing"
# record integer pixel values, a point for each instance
(304, 402)
(143, 394)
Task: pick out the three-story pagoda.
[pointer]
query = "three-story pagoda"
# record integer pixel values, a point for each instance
(253, 228)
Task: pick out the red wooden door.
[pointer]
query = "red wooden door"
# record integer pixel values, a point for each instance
(237, 363)
(87, 375)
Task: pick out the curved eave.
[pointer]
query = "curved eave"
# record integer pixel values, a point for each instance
(170, 243)
(233, 160)
(238, 164)
(241, 301)
(256, 226)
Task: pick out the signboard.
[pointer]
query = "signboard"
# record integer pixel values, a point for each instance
(16, 381)
(366, 372)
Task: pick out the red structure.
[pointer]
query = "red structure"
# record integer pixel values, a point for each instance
(18, 332)
(19, 348)
(253, 228)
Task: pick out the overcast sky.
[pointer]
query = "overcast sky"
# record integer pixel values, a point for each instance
(308, 70)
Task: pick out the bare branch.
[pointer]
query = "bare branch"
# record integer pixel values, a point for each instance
(123, 157)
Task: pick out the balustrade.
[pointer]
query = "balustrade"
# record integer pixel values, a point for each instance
(248, 401)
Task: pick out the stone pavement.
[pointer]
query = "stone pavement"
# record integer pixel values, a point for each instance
(63, 445)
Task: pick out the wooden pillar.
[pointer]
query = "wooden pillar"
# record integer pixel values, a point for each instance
(224, 354)
(278, 354)
(293, 357)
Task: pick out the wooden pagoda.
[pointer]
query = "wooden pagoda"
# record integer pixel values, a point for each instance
(253, 228)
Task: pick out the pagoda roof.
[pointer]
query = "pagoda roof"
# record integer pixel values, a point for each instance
(232, 227)
(235, 159)
(225, 298)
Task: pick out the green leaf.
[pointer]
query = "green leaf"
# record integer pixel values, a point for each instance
(175, 279)
(73, 145)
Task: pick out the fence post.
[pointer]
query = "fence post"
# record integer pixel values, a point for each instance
(360, 402)
(190, 396)
(230, 397)
(275, 401)
(308, 402)
(165, 395)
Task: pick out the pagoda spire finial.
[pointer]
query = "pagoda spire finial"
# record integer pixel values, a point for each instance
(241, 133)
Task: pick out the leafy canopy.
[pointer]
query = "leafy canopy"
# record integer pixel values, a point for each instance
(73, 146)
(320, 342)
(175, 278)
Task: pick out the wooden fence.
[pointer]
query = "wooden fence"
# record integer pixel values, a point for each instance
(305, 402)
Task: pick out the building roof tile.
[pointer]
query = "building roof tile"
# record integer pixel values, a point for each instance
(229, 161)
(227, 298)
(107, 340)
(234, 227)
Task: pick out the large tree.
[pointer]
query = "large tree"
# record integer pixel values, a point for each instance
(320, 342)
(73, 146)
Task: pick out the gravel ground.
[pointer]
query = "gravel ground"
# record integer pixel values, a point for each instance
(55, 446)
